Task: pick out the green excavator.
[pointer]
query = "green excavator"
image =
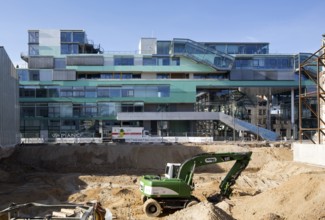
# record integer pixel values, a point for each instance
(174, 190)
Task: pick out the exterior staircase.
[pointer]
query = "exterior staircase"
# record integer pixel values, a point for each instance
(202, 54)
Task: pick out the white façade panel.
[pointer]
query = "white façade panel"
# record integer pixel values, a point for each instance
(49, 42)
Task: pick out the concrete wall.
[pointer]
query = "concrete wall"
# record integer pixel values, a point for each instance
(309, 153)
(9, 108)
(147, 46)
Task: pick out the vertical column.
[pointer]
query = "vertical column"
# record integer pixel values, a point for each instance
(293, 113)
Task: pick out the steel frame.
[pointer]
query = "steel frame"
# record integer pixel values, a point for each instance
(316, 59)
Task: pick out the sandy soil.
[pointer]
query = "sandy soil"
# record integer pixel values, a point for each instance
(272, 186)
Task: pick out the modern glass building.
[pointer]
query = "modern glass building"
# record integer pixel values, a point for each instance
(175, 87)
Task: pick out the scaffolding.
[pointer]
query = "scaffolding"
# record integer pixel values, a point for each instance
(312, 97)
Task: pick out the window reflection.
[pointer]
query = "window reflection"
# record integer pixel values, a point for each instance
(94, 92)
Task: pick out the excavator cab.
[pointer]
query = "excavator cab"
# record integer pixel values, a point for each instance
(172, 170)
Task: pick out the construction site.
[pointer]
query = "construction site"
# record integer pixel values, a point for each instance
(81, 139)
(272, 186)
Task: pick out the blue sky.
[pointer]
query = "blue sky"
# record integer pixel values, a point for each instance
(290, 26)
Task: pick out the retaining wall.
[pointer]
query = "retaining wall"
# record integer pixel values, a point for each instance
(309, 153)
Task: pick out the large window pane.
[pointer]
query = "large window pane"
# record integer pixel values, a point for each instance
(115, 92)
(106, 76)
(66, 110)
(53, 91)
(140, 91)
(77, 110)
(66, 91)
(54, 110)
(34, 75)
(163, 47)
(78, 91)
(149, 61)
(91, 92)
(23, 74)
(103, 92)
(64, 49)
(105, 109)
(41, 93)
(163, 91)
(27, 110)
(79, 37)
(123, 61)
(66, 36)
(91, 109)
(59, 63)
(33, 37)
(127, 92)
(28, 91)
(41, 110)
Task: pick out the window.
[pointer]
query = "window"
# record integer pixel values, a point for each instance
(104, 109)
(127, 92)
(103, 92)
(79, 37)
(33, 37)
(93, 76)
(199, 76)
(81, 76)
(138, 107)
(163, 76)
(66, 91)
(53, 91)
(33, 50)
(66, 110)
(163, 91)
(163, 47)
(23, 74)
(41, 110)
(91, 92)
(149, 61)
(126, 75)
(117, 76)
(34, 75)
(66, 36)
(28, 91)
(59, 63)
(77, 110)
(123, 61)
(114, 92)
(90, 109)
(106, 75)
(54, 124)
(41, 93)
(69, 49)
(54, 110)
(163, 61)
(68, 125)
(127, 107)
(260, 112)
(78, 91)
(27, 110)
(175, 61)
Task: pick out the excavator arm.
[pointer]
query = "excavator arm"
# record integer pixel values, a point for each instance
(187, 168)
(230, 179)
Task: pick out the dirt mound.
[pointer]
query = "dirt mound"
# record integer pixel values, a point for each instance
(271, 175)
(203, 210)
(300, 197)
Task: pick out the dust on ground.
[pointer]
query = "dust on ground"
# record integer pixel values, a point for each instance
(271, 187)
